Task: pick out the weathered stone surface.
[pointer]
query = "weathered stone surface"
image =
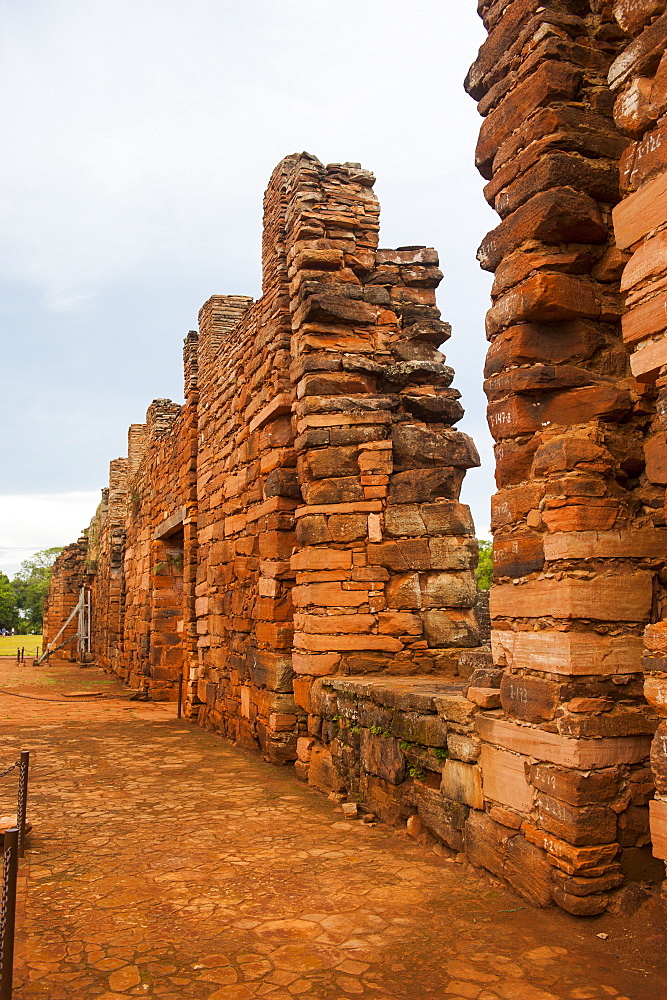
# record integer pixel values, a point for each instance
(444, 629)
(558, 215)
(578, 789)
(518, 555)
(463, 783)
(606, 598)
(504, 777)
(418, 447)
(581, 906)
(425, 484)
(529, 698)
(322, 774)
(506, 853)
(578, 825)
(382, 756)
(443, 817)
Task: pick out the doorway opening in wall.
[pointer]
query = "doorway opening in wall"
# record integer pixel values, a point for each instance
(167, 636)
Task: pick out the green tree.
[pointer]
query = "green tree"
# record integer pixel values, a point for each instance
(484, 571)
(9, 616)
(31, 585)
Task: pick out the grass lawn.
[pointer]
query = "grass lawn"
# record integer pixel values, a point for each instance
(10, 643)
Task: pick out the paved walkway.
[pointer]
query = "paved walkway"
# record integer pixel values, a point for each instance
(166, 863)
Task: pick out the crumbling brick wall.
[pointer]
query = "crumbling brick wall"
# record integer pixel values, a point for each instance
(579, 537)
(638, 81)
(104, 565)
(313, 466)
(67, 578)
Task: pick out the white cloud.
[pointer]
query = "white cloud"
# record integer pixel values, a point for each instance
(142, 137)
(143, 131)
(34, 521)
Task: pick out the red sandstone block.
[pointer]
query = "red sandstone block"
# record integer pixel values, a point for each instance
(563, 750)
(638, 214)
(329, 595)
(517, 554)
(655, 450)
(399, 623)
(500, 39)
(329, 623)
(235, 524)
(645, 160)
(361, 506)
(567, 856)
(581, 514)
(520, 415)
(558, 215)
(554, 169)
(277, 635)
(551, 81)
(647, 358)
(504, 778)
(511, 505)
(537, 378)
(342, 643)
(276, 544)
(375, 463)
(632, 15)
(314, 664)
(325, 259)
(608, 597)
(640, 543)
(646, 319)
(641, 55)
(544, 298)
(658, 814)
(321, 558)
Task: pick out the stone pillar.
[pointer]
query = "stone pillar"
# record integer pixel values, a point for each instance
(114, 598)
(166, 573)
(385, 552)
(136, 448)
(577, 544)
(190, 533)
(638, 80)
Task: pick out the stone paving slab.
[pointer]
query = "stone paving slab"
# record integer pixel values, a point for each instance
(166, 863)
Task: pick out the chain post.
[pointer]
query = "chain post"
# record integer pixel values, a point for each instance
(23, 799)
(180, 695)
(8, 915)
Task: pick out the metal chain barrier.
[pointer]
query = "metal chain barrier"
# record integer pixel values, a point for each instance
(65, 701)
(10, 768)
(8, 914)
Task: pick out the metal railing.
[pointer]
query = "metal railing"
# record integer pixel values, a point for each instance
(13, 849)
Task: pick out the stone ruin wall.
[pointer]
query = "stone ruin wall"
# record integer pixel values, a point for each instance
(331, 476)
(66, 582)
(578, 521)
(299, 516)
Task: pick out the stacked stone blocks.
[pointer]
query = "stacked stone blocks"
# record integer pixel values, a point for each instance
(579, 535)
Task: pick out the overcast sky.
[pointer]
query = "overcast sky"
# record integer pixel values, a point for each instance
(140, 136)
